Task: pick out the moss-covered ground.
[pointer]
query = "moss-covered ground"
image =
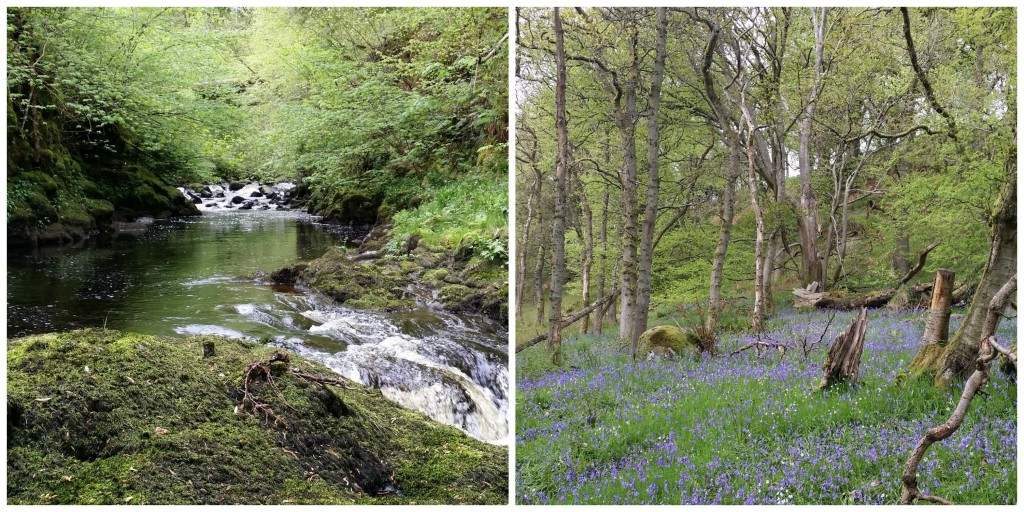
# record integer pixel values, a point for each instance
(97, 416)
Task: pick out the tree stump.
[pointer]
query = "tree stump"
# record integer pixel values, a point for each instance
(843, 360)
(936, 330)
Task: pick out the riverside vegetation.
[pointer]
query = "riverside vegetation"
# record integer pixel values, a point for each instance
(390, 120)
(691, 181)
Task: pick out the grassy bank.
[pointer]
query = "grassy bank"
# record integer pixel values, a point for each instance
(99, 416)
(745, 429)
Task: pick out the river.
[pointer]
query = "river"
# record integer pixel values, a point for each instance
(201, 276)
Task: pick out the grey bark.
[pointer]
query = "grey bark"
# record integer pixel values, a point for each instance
(558, 223)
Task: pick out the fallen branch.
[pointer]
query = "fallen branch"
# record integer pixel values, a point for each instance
(568, 321)
(761, 346)
(987, 351)
(308, 377)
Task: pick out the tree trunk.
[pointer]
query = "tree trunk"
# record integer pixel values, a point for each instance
(759, 270)
(843, 360)
(602, 267)
(718, 264)
(957, 358)
(588, 255)
(533, 200)
(558, 224)
(643, 304)
(936, 328)
(628, 179)
(808, 223)
(538, 281)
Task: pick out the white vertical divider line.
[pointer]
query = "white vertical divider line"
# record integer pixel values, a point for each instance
(512, 42)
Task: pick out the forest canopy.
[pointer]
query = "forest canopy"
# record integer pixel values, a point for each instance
(863, 151)
(375, 107)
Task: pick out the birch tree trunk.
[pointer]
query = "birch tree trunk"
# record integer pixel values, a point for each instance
(558, 223)
(639, 319)
(602, 267)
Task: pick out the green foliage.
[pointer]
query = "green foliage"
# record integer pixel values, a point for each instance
(473, 211)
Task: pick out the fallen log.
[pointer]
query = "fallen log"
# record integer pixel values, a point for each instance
(871, 300)
(566, 322)
(813, 298)
(843, 360)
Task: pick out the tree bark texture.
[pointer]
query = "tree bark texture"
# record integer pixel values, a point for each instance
(843, 360)
(558, 223)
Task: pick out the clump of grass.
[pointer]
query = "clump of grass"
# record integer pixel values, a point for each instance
(748, 430)
(471, 211)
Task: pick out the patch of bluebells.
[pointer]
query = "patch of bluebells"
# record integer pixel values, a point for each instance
(753, 429)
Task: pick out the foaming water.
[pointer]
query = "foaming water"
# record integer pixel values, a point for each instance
(196, 276)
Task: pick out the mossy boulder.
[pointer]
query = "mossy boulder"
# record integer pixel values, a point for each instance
(373, 284)
(668, 340)
(98, 416)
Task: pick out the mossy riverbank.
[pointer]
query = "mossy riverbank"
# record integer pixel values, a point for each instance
(374, 277)
(97, 416)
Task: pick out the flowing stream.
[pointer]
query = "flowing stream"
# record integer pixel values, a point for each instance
(194, 276)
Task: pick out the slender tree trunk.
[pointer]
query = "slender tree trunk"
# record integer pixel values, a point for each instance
(588, 255)
(602, 267)
(718, 264)
(531, 201)
(628, 178)
(759, 270)
(538, 280)
(653, 185)
(558, 224)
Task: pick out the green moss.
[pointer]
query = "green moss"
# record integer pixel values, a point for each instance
(372, 285)
(663, 338)
(454, 294)
(435, 277)
(74, 214)
(99, 416)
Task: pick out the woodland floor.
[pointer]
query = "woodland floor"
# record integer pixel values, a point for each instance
(750, 429)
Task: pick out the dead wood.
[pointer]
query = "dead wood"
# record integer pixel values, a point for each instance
(762, 345)
(812, 297)
(987, 350)
(843, 360)
(920, 263)
(872, 300)
(566, 322)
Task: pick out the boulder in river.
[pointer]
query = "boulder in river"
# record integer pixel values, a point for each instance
(235, 185)
(256, 193)
(237, 200)
(206, 193)
(247, 205)
(268, 191)
(149, 414)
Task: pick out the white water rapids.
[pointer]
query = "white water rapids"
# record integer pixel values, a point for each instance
(428, 361)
